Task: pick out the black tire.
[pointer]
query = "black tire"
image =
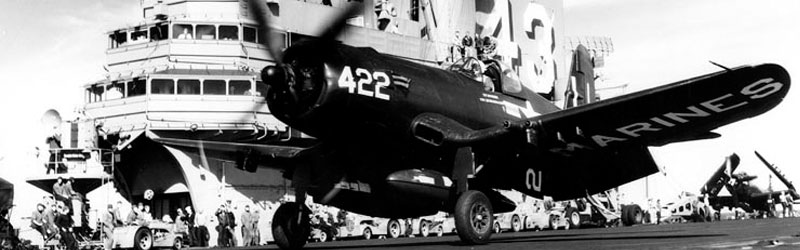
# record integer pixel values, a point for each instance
(178, 244)
(474, 217)
(496, 228)
(553, 222)
(288, 234)
(367, 233)
(638, 215)
(439, 231)
(516, 223)
(625, 215)
(393, 229)
(143, 239)
(573, 217)
(424, 228)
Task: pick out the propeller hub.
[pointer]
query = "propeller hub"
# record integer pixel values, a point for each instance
(275, 76)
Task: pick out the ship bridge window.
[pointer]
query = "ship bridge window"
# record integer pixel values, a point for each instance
(261, 89)
(162, 86)
(239, 87)
(183, 31)
(137, 87)
(214, 87)
(139, 36)
(228, 32)
(115, 90)
(206, 32)
(159, 32)
(188, 87)
(117, 39)
(249, 34)
(95, 93)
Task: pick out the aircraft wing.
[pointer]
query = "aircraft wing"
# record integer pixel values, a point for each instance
(602, 145)
(273, 151)
(681, 111)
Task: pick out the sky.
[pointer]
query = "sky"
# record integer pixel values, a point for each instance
(50, 48)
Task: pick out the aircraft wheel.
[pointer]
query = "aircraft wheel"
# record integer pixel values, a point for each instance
(553, 222)
(424, 229)
(393, 228)
(439, 231)
(323, 236)
(496, 227)
(143, 239)
(474, 217)
(367, 233)
(573, 217)
(638, 215)
(287, 232)
(516, 223)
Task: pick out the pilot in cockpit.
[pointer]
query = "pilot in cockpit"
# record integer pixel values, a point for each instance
(477, 71)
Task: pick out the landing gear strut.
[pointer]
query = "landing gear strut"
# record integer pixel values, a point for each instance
(474, 216)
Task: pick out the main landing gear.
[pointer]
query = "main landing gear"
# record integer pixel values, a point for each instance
(474, 216)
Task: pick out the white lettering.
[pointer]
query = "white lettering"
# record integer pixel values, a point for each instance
(382, 81)
(678, 117)
(662, 122)
(346, 80)
(603, 140)
(364, 78)
(531, 180)
(719, 107)
(632, 131)
(770, 88)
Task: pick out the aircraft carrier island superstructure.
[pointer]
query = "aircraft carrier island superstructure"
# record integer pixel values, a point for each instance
(185, 81)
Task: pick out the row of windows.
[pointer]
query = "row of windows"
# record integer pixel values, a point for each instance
(205, 87)
(184, 31)
(163, 86)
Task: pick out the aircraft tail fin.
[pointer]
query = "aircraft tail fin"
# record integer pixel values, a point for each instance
(581, 88)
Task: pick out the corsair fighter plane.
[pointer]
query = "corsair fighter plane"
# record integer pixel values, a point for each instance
(398, 139)
(743, 193)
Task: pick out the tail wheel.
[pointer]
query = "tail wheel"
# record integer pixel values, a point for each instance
(516, 223)
(393, 229)
(424, 229)
(474, 217)
(287, 231)
(323, 236)
(143, 239)
(553, 221)
(496, 227)
(439, 231)
(573, 218)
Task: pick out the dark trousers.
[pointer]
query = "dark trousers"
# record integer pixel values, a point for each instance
(68, 240)
(191, 235)
(224, 238)
(203, 236)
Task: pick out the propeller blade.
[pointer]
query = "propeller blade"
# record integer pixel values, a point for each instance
(337, 23)
(258, 9)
